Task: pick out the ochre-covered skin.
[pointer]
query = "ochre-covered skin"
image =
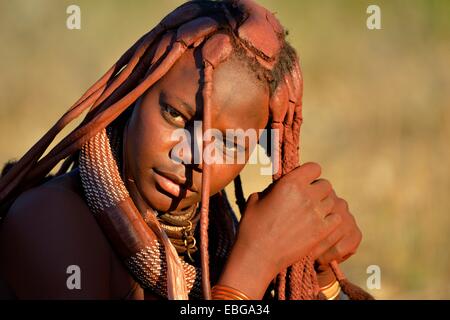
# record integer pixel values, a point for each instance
(187, 53)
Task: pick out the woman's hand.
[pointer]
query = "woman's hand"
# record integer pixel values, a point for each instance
(343, 241)
(279, 227)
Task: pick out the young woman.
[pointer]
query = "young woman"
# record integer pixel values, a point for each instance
(135, 222)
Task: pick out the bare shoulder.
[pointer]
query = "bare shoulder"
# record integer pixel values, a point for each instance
(61, 194)
(50, 234)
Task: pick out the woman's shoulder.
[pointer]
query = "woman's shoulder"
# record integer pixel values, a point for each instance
(55, 205)
(49, 235)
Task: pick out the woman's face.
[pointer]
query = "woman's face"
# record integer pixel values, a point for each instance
(174, 102)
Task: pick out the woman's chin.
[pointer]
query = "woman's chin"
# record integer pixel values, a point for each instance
(162, 201)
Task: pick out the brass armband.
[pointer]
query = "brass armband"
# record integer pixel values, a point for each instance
(332, 290)
(221, 292)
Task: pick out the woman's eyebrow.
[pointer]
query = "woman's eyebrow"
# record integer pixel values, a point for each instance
(165, 97)
(189, 108)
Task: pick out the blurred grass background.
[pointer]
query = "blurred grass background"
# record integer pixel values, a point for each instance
(376, 110)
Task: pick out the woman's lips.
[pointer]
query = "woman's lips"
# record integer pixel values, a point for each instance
(170, 186)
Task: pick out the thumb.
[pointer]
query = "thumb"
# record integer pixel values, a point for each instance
(254, 197)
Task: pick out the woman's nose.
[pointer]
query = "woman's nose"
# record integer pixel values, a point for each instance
(187, 150)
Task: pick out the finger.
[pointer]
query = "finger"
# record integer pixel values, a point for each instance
(333, 195)
(254, 197)
(349, 245)
(348, 220)
(327, 243)
(326, 206)
(321, 188)
(329, 255)
(341, 206)
(331, 222)
(341, 251)
(308, 172)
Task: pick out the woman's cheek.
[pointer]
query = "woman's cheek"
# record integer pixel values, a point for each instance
(153, 139)
(224, 174)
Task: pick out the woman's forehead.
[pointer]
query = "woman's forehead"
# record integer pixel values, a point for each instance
(237, 93)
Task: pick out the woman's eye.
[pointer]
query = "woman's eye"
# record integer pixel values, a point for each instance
(172, 115)
(231, 148)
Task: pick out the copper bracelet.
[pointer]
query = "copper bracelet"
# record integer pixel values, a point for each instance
(331, 291)
(221, 292)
